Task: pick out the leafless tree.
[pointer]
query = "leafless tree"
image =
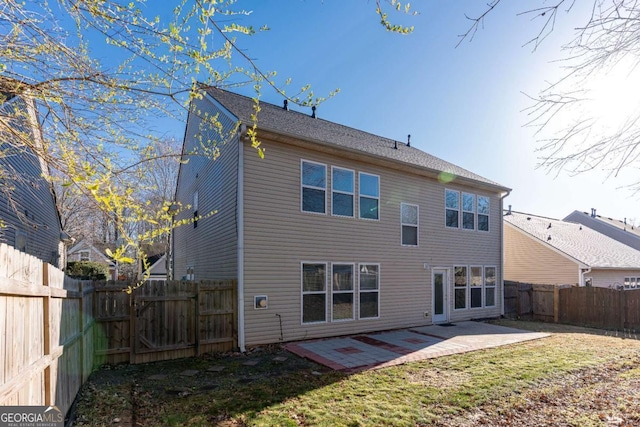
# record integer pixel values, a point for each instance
(589, 118)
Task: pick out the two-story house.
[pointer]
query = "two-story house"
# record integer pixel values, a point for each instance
(335, 231)
(29, 218)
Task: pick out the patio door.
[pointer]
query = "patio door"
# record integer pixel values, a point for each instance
(440, 295)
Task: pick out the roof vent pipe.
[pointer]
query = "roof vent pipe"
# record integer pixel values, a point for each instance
(286, 105)
(509, 211)
(395, 145)
(593, 213)
(408, 140)
(313, 111)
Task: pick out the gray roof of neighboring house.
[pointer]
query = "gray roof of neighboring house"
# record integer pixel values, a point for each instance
(577, 241)
(618, 223)
(277, 119)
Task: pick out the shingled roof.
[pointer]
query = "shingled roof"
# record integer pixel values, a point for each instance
(293, 123)
(581, 243)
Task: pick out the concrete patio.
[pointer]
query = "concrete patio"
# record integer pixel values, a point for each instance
(381, 349)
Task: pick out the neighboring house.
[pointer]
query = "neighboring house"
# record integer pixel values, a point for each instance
(554, 252)
(336, 231)
(157, 267)
(85, 251)
(614, 228)
(28, 212)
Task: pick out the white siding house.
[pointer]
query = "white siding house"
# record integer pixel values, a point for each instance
(335, 231)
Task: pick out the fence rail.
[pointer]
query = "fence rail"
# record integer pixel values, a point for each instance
(54, 330)
(46, 344)
(602, 308)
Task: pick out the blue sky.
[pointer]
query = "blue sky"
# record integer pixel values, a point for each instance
(461, 104)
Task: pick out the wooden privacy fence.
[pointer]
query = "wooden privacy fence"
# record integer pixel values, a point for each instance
(164, 320)
(46, 344)
(594, 307)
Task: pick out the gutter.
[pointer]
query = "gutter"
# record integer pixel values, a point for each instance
(502, 249)
(582, 273)
(240, 219)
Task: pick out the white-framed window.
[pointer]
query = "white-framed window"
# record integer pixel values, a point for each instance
(85, 256)
(369, 192)
(483, 213)
(489, 286)
(409, 219)
(452, 208)
(313, 187)
(342, 291)
(460, 287)
(369, 290)
(190, 273)
(342, 192)
(314, 292)
(468, 211)
(475, 282)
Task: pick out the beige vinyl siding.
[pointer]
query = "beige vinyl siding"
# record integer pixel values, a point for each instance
(610, 277)
(27, 203)
(211, 247)
(529, 260)
(279, 237)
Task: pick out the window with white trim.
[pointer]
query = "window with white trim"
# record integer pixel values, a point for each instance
(483, 213)
(369, 291)
(409, 219)
(314, 292)
(85, 256)
(342, 185)
(314, 187)
(460, 287)
(489, 286)
(369, 196)
(342, 291)
(476, 286)
(468, 211)
(452, 208)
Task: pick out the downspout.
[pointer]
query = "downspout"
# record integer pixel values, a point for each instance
(582, 273)
(240, 219)
(502, 251)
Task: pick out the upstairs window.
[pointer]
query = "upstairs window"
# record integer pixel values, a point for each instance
(468, 211)
(314, 187)
(342, 199)
(409, 214)
(369, 196)
(84, 256)
(452, 208)
(483, 213)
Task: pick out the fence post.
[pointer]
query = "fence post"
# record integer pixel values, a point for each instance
(623, 309)
(49, 381)
(197, 317)
(517, 299)
(556, 303)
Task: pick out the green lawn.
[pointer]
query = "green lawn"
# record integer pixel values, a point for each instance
(576, 376)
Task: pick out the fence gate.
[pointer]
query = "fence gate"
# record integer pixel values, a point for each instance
(164, 320)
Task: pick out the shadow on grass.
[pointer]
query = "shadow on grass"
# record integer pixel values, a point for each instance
(560, 328)
(228, 389)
